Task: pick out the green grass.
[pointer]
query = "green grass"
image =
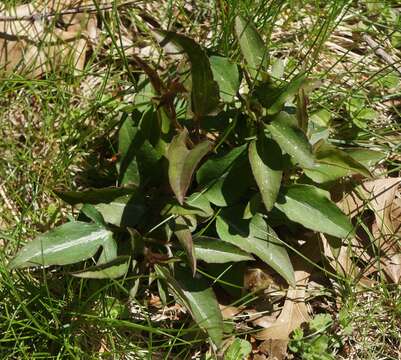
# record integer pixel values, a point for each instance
(58, 133)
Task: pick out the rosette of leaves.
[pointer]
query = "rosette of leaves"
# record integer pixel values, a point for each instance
(206, 176)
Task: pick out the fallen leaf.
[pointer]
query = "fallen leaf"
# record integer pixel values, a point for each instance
(339, 258)
(229, 312)
(383, 197)
(276, 349)
(293, 314)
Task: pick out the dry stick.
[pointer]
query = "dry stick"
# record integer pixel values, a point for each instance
(77, 10)
(381, 53)
(8, 203)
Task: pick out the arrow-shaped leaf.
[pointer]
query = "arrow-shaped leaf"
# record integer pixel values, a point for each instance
(266, 162)
(286, 93)
(69, 243)
(330, 155)
(199, 298)
(184, 236)
(183, 162)
(226, 74)
(215, 167)
(307, 205)
(205, 91)
(215, 251)
(256, 237)
(252, 46)
(291, 139)
(111, 270)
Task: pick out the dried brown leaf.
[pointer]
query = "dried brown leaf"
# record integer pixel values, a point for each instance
(293, 314)
(382, 196)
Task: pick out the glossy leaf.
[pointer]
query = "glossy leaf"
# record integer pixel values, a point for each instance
(255, 236)
(93, 214)
(205, 91)
(183, 162)
(286, 93)
(366, 157)
(215, 167)
(196, 204)
(332, 164)
(307, 205)
(324, 173)
(139, 161)
(110, 270)
(123, 211)
(328, 154)
(231, 186)
(67, 244)
(266, 162)
(291, 139)
(226, 74)
(128, 165)
(109, 252)
(198, 297)
(93, 196)
(252, 46)
(215, 251)
(183, 233)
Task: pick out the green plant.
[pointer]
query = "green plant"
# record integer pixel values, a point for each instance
(208, 174)
(316, 343)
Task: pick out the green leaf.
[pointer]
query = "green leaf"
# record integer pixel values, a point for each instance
(321, 118)
(110, 270)
(238, 350)
(291, 139)
(139, 161)
(231, 186)
(196, 204)
(183, 162)
(286, 93)
(266, 162)
(199, 299)
(183, 233)
(257, 237)
(67, 244)
(252, 46)
(324, 173)
(366, 157)
(226, 74)
(327, 154)
(205, 91)
(137, 243)
(307, 205)
(320, 323)
(93, 214)
(93, 196)
(127, 165)
(109, 252)
(332, 164)
(215, 167)
(117, 206)
(215, 251)
(277, 70)
(123, 211)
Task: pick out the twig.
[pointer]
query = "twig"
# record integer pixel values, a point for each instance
(8, 203)
(381, 53)
(77, 10)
